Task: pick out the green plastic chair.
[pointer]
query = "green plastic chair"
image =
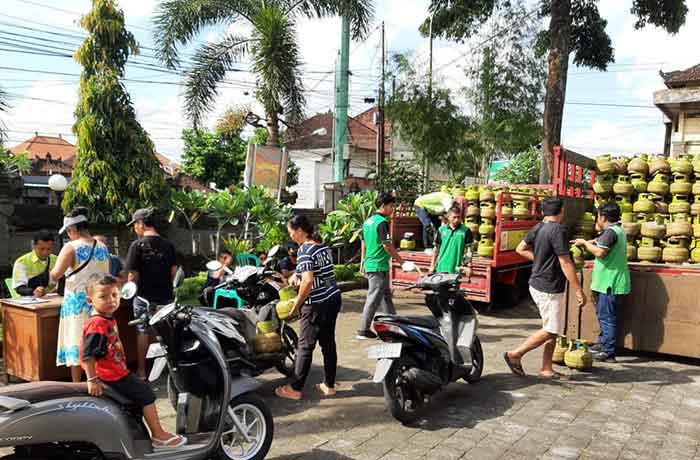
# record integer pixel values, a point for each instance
(10, 289)
(229, 294)
(247, 259)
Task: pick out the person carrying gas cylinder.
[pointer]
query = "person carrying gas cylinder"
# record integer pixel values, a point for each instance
(429, 208)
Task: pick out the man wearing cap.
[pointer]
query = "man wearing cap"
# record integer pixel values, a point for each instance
(151, 264)
(30, 274)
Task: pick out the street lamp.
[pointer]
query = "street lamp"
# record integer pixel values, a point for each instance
(58, 183)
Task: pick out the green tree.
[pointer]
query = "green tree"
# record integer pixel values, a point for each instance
(575, 27)
(271, 45)
(116, 170)
(404, 177)
(213, 157)
(523, 169)
(190, 205)
(433, 125)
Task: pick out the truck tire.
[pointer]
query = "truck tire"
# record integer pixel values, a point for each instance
(681, 188)
(649, 254)
(675, 255)
(679, 229)
(653, 230)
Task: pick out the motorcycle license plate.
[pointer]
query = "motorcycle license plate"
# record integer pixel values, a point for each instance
(385, 351)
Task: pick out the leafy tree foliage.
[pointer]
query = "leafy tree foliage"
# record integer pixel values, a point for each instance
(523, 169)
(403, 177)
(575, 27)
(116, 170)
(213, 157)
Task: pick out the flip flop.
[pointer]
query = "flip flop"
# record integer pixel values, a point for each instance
(172, 443)
(555, 377)
(319, 388)
(515, 367)
(285, 392)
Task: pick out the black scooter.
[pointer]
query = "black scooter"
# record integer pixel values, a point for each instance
(422, 354)
(216, 408)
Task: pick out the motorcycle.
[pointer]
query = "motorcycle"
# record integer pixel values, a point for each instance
(255, 286)
(216, 409)
(422, 354)
(251, 281)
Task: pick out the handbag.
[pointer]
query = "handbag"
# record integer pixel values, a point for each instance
(61, 286)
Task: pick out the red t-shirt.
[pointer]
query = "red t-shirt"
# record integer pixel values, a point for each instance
(101, 342)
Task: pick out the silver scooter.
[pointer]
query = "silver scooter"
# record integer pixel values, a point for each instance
(216, 409)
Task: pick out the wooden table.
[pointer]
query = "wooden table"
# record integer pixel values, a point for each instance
(30, 339)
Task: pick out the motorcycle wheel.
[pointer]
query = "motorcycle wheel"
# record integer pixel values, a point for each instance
(290, 341)
(403, 403)
(256, 418)
(477, 362)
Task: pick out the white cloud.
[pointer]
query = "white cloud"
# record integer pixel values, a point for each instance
(137, 8)
(617, 138)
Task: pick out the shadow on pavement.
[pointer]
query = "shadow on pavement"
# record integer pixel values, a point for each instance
(315, 454)
(624, 373)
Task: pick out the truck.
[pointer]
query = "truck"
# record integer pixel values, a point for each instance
(502, 279)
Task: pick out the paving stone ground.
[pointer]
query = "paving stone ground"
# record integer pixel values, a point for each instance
(643, 407)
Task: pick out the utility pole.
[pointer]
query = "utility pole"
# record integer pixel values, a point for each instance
(341, 102)
(380, 116)
(426, 164)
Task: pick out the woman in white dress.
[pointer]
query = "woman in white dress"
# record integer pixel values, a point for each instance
(78, 261)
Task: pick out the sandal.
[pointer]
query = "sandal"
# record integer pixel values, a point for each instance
(554, 377)
(328, 391)
(287, 392)
(515, 366)
(172, 443)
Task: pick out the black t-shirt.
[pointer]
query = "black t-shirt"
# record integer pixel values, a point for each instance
(383, 232)
(548, 240)
(287, 264)
(153, 258)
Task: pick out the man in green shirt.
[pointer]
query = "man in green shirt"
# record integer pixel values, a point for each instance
(611, 276)
(451, 241)
(429, 208)
(377, 251)
(30, 274)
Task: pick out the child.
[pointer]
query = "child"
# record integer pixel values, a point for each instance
(102, 357)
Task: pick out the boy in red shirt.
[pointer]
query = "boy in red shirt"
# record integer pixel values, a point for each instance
(102, 357)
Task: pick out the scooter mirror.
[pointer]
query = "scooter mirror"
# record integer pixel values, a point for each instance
(273, 251)
(214, 265)
(179, 277)
(129, 290)
(409, 267)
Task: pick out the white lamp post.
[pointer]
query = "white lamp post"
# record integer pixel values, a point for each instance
(58, 183)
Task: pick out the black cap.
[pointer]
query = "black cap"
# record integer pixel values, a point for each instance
(140, 214)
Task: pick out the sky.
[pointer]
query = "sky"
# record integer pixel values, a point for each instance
(44, 89)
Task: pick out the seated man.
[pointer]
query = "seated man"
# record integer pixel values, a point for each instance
(288, 265)
(214, 278)
(429, 208)
(30, 275)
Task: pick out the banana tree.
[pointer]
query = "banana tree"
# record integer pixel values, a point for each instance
(190, 205)
(344, 225)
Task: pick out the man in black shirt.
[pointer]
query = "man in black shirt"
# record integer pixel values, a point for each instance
(547, 246)
(151, 264)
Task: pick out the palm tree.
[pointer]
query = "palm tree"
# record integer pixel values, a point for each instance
(4, 105)
(271, 46)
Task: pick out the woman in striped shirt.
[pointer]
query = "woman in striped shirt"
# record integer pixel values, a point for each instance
(320, 301)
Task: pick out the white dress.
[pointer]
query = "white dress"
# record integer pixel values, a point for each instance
(75, 309)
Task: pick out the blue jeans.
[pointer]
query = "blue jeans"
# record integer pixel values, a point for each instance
(606, 309)
(427, 220)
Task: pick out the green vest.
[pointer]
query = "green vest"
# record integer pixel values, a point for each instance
(451, 248)
(612, 271)
(376, 257)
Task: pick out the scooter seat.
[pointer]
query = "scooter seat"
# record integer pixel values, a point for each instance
(421, 321)
(35, 392)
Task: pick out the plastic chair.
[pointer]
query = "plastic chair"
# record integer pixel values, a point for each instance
(229, 294)
(10, 289)
(247, 259)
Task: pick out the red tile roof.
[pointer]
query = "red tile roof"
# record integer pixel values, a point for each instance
(682, 78)
(42, 147)
(361, 132)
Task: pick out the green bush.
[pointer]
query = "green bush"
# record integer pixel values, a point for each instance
(192, 287)
(347, 272)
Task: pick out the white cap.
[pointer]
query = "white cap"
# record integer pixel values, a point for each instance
(71, 221)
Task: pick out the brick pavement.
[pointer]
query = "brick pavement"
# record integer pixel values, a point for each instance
(640, 408)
